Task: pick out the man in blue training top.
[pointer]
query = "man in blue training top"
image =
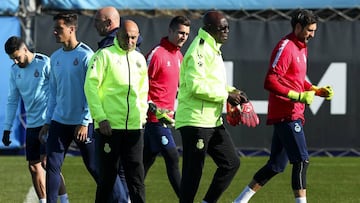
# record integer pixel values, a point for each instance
(68, 117)
(29, 81)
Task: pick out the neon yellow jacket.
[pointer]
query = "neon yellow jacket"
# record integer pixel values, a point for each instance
(203, 90)
(116, 87)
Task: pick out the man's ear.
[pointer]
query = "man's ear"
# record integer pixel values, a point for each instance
(298, 28)
(108, 22)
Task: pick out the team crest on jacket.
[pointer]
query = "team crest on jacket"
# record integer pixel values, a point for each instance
(138, 64)
(36, 73)
(200, 144)
(107, 148)
(76, 62)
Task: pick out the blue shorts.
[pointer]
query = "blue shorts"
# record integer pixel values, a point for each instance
(288, 144)
(33, 146)
(157, 137)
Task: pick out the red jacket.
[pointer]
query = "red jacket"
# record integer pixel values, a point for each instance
(287, 71)
(164, 65)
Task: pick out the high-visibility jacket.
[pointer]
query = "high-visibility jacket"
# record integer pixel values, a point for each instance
(203, 89)
(116, 87)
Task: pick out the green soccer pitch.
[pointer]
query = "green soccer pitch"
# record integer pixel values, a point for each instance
(330, 180)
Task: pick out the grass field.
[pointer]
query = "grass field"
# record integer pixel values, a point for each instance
(330, 180)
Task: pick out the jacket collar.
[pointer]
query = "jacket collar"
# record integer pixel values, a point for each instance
(209, 40)
(168, 45)
(116, 44)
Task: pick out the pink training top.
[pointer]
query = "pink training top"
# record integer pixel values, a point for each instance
(164, 65)
(287, 71)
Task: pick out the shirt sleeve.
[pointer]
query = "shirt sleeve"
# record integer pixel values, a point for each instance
(143, 91)
(153, 64)
(94, 77)
(12, 103)
(86, 113)
(280, 63)
(52, 95)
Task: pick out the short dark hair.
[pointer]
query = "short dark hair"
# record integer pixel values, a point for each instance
(13, 44)
(69, 18)
(303, 17)
(179, 20)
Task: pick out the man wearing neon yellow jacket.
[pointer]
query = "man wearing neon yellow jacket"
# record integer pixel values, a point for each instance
(202, 95)
(116, 88)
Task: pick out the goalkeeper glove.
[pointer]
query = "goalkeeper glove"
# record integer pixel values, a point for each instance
(232, 114)
(325, 91)
(243, 114)
(162, 114)
(303, 97)
(6, 138)
(248, 116)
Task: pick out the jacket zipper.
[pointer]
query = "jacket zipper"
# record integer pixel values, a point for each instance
(128, 93)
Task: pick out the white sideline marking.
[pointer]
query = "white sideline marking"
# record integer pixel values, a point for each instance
(31, 196)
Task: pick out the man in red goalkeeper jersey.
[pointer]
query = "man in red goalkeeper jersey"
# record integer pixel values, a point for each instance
(289, 93)
(164, 65)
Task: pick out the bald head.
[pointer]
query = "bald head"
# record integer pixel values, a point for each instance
(216, 24)
(106, 20)
(212, 17)
(128, 35)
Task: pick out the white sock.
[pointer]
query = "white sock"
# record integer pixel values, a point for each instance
(42, 200)
(300, 200)
(64, 198)
(245, 195)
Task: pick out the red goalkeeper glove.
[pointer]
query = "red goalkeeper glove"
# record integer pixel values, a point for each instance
(248, 116)
(232, 114)
(243, 114)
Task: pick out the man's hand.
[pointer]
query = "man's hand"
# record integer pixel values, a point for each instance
(306, 97)
(105, 128)
(325, 91)
(162, 115)
(236, 97)
(43, 134)
(6, 137)
(81, 133)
